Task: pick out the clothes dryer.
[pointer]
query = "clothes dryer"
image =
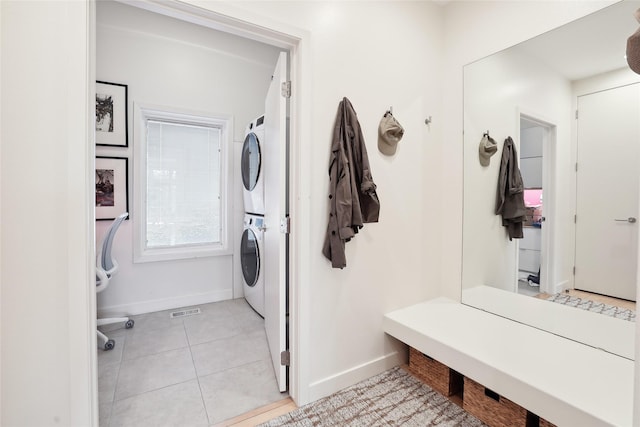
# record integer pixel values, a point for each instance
(252, 167)
(251, 253)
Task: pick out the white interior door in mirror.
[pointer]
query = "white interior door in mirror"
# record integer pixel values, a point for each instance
(607, 192)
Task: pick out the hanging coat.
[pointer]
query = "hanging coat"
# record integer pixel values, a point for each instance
(510, 194)
(353, 200)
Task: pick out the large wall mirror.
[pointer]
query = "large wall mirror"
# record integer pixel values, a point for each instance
(572, 108)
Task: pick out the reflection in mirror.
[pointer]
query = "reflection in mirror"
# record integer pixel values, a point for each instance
(572, 107)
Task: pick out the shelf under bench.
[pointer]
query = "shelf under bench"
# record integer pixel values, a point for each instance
(567, 383)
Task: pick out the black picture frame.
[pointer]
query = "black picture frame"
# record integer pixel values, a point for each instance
(112, 114)
(112, 187)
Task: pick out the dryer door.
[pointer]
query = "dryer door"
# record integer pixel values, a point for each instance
(251, 161)
(249, 257)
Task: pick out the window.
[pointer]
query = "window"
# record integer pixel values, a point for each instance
(182, 185)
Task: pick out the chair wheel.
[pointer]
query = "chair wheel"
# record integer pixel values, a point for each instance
(129, 324)
(109, 345)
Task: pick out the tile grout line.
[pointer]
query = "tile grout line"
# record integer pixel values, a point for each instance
(267, 357)
(122, 360)
(204, 405)
(157, 352)
(113, 399)
(235, 367)
(153, 390)
(218, 339)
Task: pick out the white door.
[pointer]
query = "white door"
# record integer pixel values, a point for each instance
(275, 239)
(607, 192)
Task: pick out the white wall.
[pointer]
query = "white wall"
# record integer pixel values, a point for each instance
(497, 90)
(47, 227)
(388, 59)
(172, 63)
(1, 400)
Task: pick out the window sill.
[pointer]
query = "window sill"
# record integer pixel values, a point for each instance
(174, 254)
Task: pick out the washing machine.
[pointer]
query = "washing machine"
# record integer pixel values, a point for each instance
(251, 251)
(252, 167)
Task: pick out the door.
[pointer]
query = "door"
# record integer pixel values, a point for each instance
(607, 192)
(276, 205)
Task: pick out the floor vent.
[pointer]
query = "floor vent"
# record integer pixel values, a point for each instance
(184, 313)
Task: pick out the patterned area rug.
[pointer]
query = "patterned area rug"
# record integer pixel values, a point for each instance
(597, 307)
(392, 398)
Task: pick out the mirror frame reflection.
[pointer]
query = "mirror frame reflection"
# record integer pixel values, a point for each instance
(531, 92)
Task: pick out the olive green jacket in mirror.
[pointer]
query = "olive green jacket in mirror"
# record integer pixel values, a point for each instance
(510, 194)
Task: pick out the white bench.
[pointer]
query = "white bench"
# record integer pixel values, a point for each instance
(563, 381)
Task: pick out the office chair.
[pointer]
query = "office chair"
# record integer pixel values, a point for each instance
(106, 267)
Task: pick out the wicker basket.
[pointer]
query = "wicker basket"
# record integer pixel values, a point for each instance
(439, 377)
(490, 407)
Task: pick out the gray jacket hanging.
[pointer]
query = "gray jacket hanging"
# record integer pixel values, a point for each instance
(510, 194)
(353, 200)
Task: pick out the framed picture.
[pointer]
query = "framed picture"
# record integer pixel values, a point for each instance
(111, 114)
(112, 183)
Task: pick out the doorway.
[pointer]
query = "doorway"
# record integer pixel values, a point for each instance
(236, 236)
(536, 166)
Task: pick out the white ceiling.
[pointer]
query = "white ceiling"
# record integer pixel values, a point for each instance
(591, 45)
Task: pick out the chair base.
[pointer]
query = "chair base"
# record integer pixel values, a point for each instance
(103, 340)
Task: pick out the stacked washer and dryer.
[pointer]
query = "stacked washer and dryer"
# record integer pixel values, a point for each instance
(252, 243)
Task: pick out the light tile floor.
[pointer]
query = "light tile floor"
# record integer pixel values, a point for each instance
(193, 371)
(525, 289)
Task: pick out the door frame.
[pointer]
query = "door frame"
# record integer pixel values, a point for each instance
(549, 162)
(244, 23)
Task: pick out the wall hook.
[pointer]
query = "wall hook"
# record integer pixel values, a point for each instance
(427, 121)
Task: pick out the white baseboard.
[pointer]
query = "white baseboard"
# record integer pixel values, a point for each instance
(560, 287)
(341, 380)
(165, 303)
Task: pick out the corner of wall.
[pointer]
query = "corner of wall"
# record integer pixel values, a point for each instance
(326, 386)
